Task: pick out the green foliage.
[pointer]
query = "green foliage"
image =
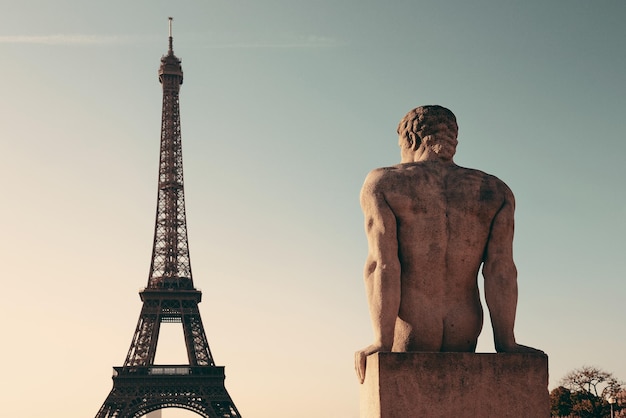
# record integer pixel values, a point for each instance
(560, 402)
(584, 393)
(587, 405)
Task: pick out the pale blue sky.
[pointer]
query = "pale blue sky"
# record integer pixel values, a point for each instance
(286, 105)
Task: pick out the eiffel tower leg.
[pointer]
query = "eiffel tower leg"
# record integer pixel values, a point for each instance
(143, 346)
(112, 405)
(198, 350)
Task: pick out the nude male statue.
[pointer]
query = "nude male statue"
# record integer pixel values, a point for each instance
(430, 224)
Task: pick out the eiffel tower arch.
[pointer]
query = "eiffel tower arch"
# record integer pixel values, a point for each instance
(140, 386)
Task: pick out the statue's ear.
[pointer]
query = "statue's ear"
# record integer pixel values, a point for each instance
(414, 141)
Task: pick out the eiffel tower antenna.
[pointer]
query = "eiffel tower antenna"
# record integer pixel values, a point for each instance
(140, 386)
(171, 40)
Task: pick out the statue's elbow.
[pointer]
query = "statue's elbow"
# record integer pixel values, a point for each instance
(377, 271)
(370, 268)
(504, 271)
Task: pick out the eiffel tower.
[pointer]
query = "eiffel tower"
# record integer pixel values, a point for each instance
(140, 386)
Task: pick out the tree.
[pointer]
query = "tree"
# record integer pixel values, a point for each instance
(590, 387)
(560, 402)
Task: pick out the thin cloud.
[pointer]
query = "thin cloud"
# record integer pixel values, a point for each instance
(309, 42)
(81, 39)
(60, 39)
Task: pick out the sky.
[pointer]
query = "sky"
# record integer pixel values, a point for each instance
(286, 106)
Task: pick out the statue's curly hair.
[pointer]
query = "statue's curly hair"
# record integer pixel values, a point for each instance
(412, 121)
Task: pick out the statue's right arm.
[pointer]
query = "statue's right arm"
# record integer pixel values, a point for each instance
(382, 268)
(500, 276)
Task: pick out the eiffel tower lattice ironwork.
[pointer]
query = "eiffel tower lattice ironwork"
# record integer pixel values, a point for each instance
(140, 386)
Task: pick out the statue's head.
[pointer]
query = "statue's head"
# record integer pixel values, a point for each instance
(429, 126)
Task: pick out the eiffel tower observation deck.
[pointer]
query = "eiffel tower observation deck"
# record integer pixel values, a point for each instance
(140, 386)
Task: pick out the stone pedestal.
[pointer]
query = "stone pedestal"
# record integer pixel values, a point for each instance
(458, 385)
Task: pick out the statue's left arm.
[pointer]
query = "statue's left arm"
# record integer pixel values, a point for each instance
(500, 276)
(382, 268)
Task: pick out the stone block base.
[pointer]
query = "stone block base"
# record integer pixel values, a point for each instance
(458, 385)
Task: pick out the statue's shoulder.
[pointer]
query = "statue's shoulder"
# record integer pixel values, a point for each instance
(382, 175)
(379, 179)
(487, 180)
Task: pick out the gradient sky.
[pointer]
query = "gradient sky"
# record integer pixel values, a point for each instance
(286, 105)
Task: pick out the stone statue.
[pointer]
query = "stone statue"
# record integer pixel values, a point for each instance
(430, 224)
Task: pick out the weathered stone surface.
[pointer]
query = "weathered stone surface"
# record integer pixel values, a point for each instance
(458, 385)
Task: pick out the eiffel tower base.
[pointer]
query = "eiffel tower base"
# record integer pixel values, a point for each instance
(141, 390)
